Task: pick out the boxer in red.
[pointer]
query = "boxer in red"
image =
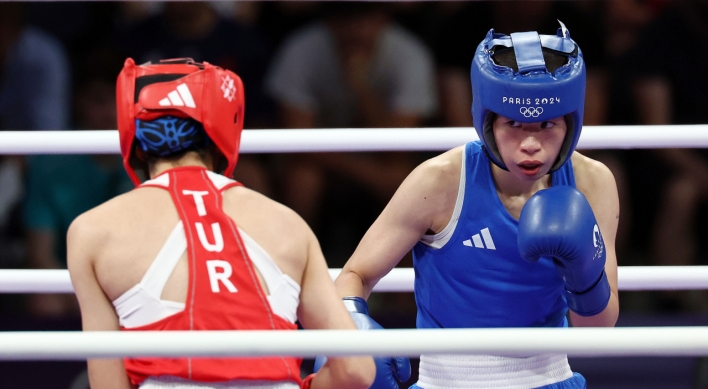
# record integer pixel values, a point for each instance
(191, 249)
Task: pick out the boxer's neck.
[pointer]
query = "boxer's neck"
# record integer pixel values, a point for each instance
(190, 158)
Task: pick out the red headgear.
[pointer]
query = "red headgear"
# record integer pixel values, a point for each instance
(183, 88)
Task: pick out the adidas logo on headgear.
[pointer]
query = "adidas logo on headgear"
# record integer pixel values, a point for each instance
(179, 97)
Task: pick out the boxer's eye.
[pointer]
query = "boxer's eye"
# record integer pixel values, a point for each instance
(513, 123)
(547, 124)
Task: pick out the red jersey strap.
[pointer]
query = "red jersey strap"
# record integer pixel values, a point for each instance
(307, 381)
(230, 185)
(223, 281)
(221, 183)
(223, 292)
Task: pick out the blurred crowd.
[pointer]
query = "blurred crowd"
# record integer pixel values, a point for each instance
(340, 65)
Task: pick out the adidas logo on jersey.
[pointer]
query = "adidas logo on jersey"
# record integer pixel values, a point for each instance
(481, 242)
(179, 97)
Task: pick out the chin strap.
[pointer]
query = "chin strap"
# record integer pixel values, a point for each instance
(307, 381)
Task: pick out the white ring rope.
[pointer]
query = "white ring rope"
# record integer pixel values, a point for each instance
(630, 278)
(347, 139)
(587, 342)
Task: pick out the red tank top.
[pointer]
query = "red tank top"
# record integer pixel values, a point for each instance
(224, 292)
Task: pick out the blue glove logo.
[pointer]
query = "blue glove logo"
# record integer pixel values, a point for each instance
(597, 242)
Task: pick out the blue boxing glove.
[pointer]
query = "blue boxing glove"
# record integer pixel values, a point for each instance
(558, 222)
(389, 371)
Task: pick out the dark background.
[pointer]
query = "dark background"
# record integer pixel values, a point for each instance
(634, 49)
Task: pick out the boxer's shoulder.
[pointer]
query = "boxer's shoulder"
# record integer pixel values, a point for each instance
(592, 177)
(446, 166)
(247, 207)
(98, 218)
(279, 230)
(438, 178)
(130, 217)
(427, 196)
(84, 236)
(595, 180)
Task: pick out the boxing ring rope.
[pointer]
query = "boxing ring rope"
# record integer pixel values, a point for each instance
(580, 342)
(630, 278)
(587, 342)
(348, 139)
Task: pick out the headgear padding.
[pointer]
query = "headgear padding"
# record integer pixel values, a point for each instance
(181, 88)
(529, 92)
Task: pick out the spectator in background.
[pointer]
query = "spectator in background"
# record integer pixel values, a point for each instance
(353, 69)
(623, 21)
(670, 63)
(280, 18)
(57, 190)
(196, 30)
(35, 75)
(34, 90)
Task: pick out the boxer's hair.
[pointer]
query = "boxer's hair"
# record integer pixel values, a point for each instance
(505, 56)
(154, 143)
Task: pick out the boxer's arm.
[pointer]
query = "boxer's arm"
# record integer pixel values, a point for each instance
(599, 187)
(321, 308)
(97, 313)
(422, 204)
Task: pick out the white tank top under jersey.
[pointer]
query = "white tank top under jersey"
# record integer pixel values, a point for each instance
(142, 305)
(485, 371)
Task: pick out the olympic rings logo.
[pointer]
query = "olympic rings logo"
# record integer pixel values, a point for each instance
(531, 111)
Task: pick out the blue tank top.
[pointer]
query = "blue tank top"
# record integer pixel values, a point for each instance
(478, 278)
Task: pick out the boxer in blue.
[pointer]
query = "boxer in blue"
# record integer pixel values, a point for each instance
(514, 230)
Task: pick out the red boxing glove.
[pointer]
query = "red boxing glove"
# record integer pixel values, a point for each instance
(307, 381)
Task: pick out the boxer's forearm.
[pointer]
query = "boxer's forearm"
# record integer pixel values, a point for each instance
(108, 374)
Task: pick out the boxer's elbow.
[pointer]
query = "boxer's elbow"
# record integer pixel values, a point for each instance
(363, 376)
(357, 373)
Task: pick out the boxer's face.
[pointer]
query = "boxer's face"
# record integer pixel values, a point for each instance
(529, 150)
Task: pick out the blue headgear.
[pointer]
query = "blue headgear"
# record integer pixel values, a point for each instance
(169, 134)
(532, 93)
